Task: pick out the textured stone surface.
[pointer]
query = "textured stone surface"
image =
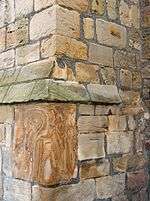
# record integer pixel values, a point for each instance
(111, 33)
(91, 146)
(27, 54)
(23, 7)
(45, 23)
(92, 124)
(84, 191)
(87, 73)
(7, 59)
(93, 169)
(88, 27)
(48, 130)
(98, 6)
(112, 9)
(103, 93)
(100, 54)
(86, 109)
(117, 123)
(60, 45)
(107, 187)
(2, 39)
(119, 142)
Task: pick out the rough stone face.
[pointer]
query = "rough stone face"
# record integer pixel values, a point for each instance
(84, 191)
(107, 187)
(119, 142)
(93, 169)
(16, 190)
(2, 13)
(107, 76)
(74, 4)
(46, 22)
(88, 27)
(104, 93)
(7, 59)
(27, 54)
(111, 9)
(100, 54)
(91, 146)
(2, 39)
(87, 73)
(23, 7)
(60, 45)
(98, 6)
(135, 16)
(117, 123)
(92, 124)
(86, 109)
(111, 34)
(124, 13)
(49, 132)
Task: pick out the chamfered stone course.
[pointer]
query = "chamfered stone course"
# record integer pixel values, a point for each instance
(49, 132)
(111, 34)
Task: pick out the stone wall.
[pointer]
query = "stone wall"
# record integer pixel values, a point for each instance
(74, 98)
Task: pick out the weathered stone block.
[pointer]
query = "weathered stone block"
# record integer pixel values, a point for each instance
(17, 33)
(7, 59)
(104, 93)
(86, 109)
(119, 142)
(74, 4)
(16, 190)
(112, 9)
(98, 6)
(60, 45)
(117, 123)
(107, 187)
(93, 169)
(111, 34)
(107, 76)
(50, 135)
(2, 39)
(91, 146)
(88, 28)
(95, 124)
(106, 110)
(124, 13)
(28, 53)
(100, 54)
(9, 11)
(55, 20)
(23, 7)
(2, 13)
(84, 191)
(87, 73)
(134, 14)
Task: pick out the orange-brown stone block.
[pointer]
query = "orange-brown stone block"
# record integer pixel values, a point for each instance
(45, 141)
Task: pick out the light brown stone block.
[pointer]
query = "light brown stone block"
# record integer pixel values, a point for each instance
(88, 27)
(2, 39)
(117, 123)
(44, 147)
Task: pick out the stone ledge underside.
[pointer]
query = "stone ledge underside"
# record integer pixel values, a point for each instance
(49, 90)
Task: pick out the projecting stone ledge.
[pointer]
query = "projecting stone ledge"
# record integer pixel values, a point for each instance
(50, 90)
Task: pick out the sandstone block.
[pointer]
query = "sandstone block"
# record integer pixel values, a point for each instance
(88, 27)
(111, 9)
(45, 23)
(146, 17)
(98, 6)
(74, 4)
(83, 191)
(7, 59)
(2, 135)
(93, 169)
(91, 146)
(7, 161)
(107, 76)
(3, 91)
(10, 11)
(2, 39)
(17, 33)
(28, 53)
(100, 54)
(37, 70)
(106, 110)
(2, 13)
(16, 190)
(60, 45)
(117, 123)
(119, 142)
(86, 109)
(136, 80)
(131, 122)
(104, 93)
(134, 14)
(23, 7)
(107, 187)
(95, 124)
(50, 156)
(87, 73)
(111, 34)
(124, 13)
